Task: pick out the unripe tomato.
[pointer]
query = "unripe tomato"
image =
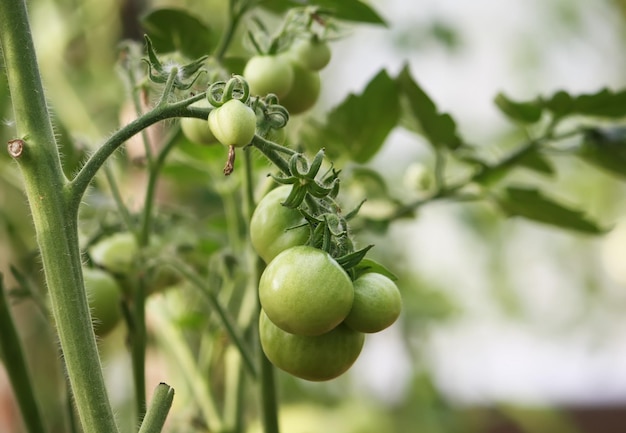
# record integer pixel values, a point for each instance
(116, 253)
(269, 74)
(311, 53)
(315, 358)
(197, 130)
(233, 124)
(305, 291)
(304, 91)
(377, 303)
(274, 227)
(104, 296)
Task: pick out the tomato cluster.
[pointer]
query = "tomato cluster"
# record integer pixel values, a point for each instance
(292, 75)
(314, 315)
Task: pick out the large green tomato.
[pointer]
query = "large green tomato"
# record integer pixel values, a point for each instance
(197, 130)
(311, 53)
(304, 91)
(377, 303)
(315, 358)
(116, 253)
(104, 296)
(269, 74)
(305, 291)
(233, 124)
(274, 227)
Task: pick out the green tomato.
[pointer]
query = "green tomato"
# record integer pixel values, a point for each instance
(315, 358)
(274, 227)
(197, 130)
(115, 253)
(377, 303)
(233, 124)
(304, 91)
(305, 291)
(104, 297)
(269, 74)
(311, 53)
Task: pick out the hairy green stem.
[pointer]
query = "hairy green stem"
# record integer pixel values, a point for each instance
(16, 366)
(271, 152)
(79, 184)
(158, 410)
(55, 217)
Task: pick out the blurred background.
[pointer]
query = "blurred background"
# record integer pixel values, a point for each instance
(508, 326)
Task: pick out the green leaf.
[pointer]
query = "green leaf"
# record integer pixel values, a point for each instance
(537, 162)
(525, 112)
(347, 10)
(177, 30)
(438, 128)
(361, 123)
(606, 149)
(604, 103)
(532, 204)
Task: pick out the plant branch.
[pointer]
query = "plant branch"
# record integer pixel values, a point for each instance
(179, 109)
(16, 366)
(158, 410)
(55, 218)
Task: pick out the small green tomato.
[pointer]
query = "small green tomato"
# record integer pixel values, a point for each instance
(233, 124)
(311, 53)
(197, 130)
(269, 74)
(377, 303)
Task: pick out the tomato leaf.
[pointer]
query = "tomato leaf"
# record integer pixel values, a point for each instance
(177, 30)
(361, 123)
(604, 103)
(347, 10)
(532, 204)
(606, 149)
(438, 128)
(525, 112)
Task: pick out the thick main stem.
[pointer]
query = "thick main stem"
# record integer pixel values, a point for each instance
(55, 220)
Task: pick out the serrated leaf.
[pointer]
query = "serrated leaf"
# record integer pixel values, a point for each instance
(525, 112)
(606, 149)
(604, 103)
(347, 10)
(532, 204)
(360, 124)
(438, 128)
(173, 29)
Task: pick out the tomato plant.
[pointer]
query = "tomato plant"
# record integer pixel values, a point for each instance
(304, 291)
(274, 227)
(93, 205)
(377, 303)
(315, 358)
